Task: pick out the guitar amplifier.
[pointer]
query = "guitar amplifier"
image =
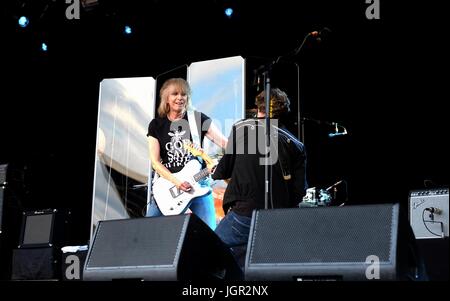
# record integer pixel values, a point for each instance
(428, 213)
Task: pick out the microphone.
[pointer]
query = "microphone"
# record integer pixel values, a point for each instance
(320, 33)
(336, 131)
(434, 210)
(316, 34)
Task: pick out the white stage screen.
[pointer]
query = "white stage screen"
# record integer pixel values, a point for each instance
(126, 106)
(218, 90)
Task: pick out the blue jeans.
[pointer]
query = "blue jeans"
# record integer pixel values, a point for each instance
(234, 230)
(202, 206)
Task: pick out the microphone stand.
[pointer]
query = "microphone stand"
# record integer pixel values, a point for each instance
(265, 70)
(300, 127)
(267, 170)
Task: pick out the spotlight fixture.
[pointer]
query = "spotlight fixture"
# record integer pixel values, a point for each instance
(127, 30)
(229, 12)
(23, 21)
(44, 47)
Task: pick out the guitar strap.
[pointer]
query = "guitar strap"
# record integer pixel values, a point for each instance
(194, 129)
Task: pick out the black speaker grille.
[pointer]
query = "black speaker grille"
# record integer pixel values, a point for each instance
(323, 235)
(35, 264)
(38, 229)
(135, 242)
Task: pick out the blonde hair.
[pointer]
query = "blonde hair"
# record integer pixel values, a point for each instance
(279, 102)
(181, 84)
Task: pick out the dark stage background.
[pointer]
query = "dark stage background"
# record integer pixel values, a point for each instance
(384, 80)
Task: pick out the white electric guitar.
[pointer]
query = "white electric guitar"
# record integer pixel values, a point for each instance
(170, 199)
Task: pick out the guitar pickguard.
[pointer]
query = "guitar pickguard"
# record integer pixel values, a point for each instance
(175, 192)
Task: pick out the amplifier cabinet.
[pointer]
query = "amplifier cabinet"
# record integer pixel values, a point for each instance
(428, 213)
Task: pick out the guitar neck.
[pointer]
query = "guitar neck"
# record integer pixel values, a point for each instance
(201, 174)
(206, 158)
(199, 153)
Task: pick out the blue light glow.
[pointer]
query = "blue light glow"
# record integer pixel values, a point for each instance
(23, 21)
(229, 12)
(128, 30)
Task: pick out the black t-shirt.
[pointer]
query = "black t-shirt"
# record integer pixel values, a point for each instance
(171, 135)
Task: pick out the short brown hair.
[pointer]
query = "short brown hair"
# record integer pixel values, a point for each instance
(279, 102)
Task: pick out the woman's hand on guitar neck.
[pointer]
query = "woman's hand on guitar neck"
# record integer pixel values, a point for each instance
(211, 166)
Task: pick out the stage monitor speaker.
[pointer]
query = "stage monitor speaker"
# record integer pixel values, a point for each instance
(178, 247)
(324, 243)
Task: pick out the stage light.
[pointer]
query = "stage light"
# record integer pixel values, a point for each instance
(127, 30)
(229, 12)
(23, 21)
(44, 47)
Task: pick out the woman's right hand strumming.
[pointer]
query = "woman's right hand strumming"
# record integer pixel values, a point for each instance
(184, 186)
